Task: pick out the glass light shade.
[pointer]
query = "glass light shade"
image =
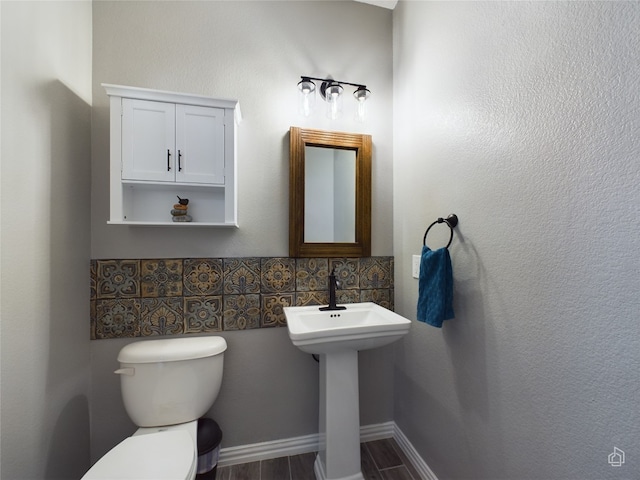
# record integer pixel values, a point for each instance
(306, 97)
(333, 96)
(361, 95)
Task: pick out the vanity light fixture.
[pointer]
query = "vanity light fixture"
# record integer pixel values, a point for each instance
(331, 91)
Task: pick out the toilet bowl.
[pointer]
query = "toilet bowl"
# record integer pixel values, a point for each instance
(167, 385)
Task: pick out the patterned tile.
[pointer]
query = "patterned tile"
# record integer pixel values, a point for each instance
(130, 298)
(93, 288)
(92, 319)
(203, 276)
(347, 271)
(312, 274)
(161, 316)
(347, 296)
(375, 272)
(312, 298)
(117, 318)
(161, 278)
(277, 275)
(117, 278)
(272, 313)
(392, 270)
(380, 296)
(241, 275)
(203, 314)
(241, 312)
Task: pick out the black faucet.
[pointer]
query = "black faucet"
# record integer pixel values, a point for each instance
(333, 284)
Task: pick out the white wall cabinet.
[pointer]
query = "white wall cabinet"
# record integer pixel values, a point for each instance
(165, 145)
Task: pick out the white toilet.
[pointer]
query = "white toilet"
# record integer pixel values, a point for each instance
(167, 385)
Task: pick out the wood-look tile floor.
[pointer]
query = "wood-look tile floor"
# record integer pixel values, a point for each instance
(381, 460)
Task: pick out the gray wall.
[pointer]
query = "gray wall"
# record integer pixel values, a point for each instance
(519, 117)
(255, 52)
(46, 118)
(522, 118)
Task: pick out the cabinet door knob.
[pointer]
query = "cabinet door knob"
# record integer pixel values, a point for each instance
(179, 161)
(168, 160)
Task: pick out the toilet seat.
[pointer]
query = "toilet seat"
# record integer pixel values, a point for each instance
(168, 455)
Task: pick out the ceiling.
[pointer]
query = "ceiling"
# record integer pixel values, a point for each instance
(390, 4)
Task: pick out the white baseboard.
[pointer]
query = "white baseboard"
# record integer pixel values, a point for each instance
(413, 456)
(369, 433)
(266, 450)
(309, 443)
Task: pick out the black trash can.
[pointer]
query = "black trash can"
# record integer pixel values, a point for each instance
(209, 438)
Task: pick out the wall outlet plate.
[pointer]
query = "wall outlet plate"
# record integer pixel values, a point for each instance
(415, 264)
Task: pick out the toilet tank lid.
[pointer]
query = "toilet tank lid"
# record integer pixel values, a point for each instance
(172, 349)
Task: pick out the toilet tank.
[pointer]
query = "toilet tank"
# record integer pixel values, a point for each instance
(170, 381)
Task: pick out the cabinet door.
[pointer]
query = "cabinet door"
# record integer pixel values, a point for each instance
(199, 144)
(148, 140)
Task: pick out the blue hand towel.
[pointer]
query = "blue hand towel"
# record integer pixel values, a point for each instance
(435, 287)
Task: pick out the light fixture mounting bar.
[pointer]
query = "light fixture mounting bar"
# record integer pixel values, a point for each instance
(331, 80)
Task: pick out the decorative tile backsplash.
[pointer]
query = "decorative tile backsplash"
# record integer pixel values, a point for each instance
(141, 298)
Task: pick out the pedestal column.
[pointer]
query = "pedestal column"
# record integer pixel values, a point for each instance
(339, 456)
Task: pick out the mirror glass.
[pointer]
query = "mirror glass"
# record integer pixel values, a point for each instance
(329, 194)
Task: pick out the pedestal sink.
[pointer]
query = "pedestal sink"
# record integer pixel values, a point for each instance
(336, 336)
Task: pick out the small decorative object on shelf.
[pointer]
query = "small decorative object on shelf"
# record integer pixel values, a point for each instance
(180, 209)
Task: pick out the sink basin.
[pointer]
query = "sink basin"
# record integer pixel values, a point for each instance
(360, 327)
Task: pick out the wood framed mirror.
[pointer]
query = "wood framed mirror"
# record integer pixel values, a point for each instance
(329, 194)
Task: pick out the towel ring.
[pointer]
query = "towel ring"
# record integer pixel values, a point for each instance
(451, 221)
